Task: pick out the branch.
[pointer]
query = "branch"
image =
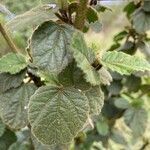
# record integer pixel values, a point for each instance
(81, 14)
(8, 39)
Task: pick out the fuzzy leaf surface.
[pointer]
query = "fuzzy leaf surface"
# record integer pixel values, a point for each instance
(13, 106)
(8, 80)
(84, 58)
(124, 63)
(33, 17)
(57, 114)
(96, 99)
(50, 46)
(12, 63)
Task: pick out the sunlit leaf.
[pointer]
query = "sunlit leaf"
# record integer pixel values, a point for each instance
(124, 63)
(12, 63)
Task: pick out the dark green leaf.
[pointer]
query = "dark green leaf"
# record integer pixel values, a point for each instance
(115, 88)
(50, 46)
(60, 112)
(121, 35)
(146, 6)
(129, 9)
(133, 83)
(92, 15)
(14, 105)
(7, 139)
(8, 81)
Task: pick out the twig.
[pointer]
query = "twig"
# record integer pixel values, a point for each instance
(81, 14)
(8, 39)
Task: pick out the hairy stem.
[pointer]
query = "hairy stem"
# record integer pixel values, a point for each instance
(8, 39)
(81, 14)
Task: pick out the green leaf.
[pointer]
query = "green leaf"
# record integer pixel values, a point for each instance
(96, 99)
(33, 17)
(84, 57)
(124, 63)
(14, 104)
(9, 81)
(92, 15)
(120, 36)
(12, 63)
(133, 83)
(2, 128)
(60, 112)
(129, 9)
(115, 88)
(146, 6)
(136, 119)
(105, 76)
(50, 46)
(141, 21)
(121, 103)
(118, 137)
(7, 139)
(20, 146)
(102, 127)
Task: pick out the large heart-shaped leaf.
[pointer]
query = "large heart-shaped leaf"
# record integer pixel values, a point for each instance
(8, 80)
(50, 46)
(57, 114)
(13, 106)
(12, 63)
(124, 63)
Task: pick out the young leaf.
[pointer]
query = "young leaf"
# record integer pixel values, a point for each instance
(141, 21)
(33, 17)
(50, 46)
(84, 57)
(57, 114)
(96, 99)
(12, 63)
(13, 106)
(9, 81)
(124, 63)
